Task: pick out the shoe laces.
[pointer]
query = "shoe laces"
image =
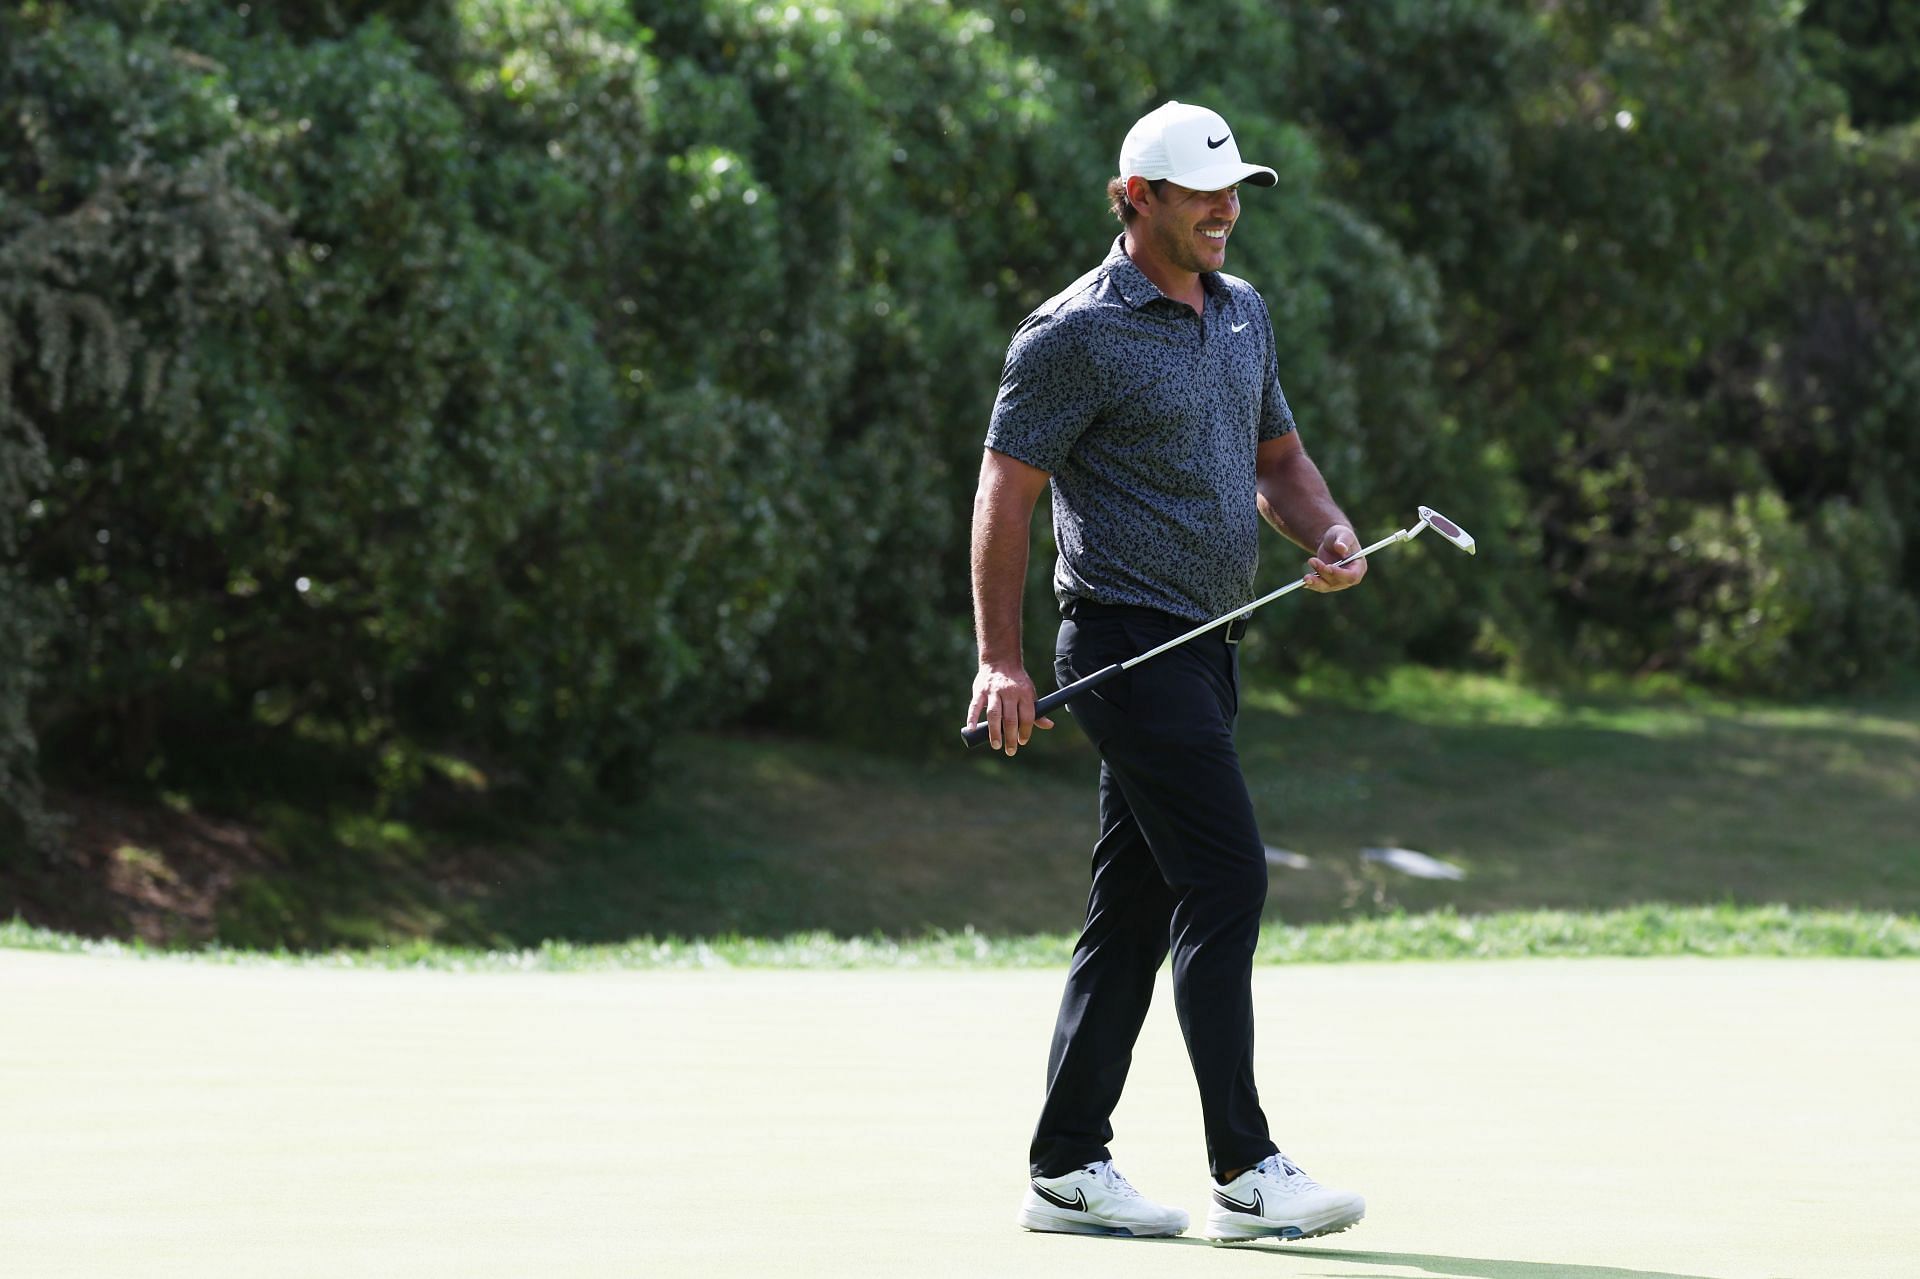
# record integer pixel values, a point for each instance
(1110, 1177)
(1281, 1168)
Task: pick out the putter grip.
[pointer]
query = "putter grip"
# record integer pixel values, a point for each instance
(977, 733)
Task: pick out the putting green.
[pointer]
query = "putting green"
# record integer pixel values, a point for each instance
(1584, 1119)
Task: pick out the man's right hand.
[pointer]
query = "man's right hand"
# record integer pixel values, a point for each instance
(1003, 700)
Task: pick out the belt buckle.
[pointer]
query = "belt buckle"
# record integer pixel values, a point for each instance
(1237, 628)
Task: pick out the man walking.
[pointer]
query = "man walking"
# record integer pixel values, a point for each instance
(1148, 393)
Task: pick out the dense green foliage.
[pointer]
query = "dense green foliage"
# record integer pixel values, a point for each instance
(523, 380)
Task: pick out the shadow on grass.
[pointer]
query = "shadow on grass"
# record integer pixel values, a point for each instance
(1449, 1267)
(1486, 1267)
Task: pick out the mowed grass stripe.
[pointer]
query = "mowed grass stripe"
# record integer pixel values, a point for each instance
(1720, 931)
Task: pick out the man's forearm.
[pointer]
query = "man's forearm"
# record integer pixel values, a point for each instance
(1001, 526)
(1003, 695)
(1294, 499)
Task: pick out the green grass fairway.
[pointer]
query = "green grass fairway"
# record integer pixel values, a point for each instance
(1562, 801)
(1573, 1119)
(1608, 799)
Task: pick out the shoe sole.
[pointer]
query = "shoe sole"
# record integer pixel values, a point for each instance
(1050, 1221)
(1235, 1227)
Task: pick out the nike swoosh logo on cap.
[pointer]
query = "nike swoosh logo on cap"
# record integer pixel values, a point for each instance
(1078, 1203)
(1214, 146)
(1256, 1207)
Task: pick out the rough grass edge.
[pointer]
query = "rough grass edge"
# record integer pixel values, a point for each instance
(1639, 932)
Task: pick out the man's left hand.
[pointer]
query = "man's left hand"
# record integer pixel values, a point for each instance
(1338, 543)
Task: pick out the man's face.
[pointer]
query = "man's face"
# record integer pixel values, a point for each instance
(1190, 228)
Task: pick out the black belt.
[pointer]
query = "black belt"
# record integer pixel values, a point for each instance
(1077, 609)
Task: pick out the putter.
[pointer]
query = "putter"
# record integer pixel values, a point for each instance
(974, 734)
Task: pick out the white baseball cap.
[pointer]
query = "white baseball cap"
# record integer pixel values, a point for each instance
(1191, 145)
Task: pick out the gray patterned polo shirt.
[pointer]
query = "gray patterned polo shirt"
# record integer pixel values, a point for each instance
(1147, 416)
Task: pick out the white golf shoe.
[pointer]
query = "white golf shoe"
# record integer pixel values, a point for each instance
(1096, 1200)
(1274, 1199)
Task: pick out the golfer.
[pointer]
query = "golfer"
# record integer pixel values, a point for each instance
(1148, 393)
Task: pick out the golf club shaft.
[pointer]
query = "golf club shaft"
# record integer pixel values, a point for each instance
(1288, 589)
(974, 734)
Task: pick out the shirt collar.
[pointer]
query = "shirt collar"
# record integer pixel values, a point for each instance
(1136, 290)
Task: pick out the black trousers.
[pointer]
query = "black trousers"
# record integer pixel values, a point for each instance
(1179, 866)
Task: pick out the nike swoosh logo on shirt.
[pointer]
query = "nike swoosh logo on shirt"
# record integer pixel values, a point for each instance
(1078, 1203)
(1243, 324)
(1256, 1207)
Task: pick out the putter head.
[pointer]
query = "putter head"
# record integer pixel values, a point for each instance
(1447, 528)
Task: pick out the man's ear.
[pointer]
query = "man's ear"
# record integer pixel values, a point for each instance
(1139, 192)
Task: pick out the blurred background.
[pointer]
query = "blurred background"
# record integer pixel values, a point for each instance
(493, 470)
